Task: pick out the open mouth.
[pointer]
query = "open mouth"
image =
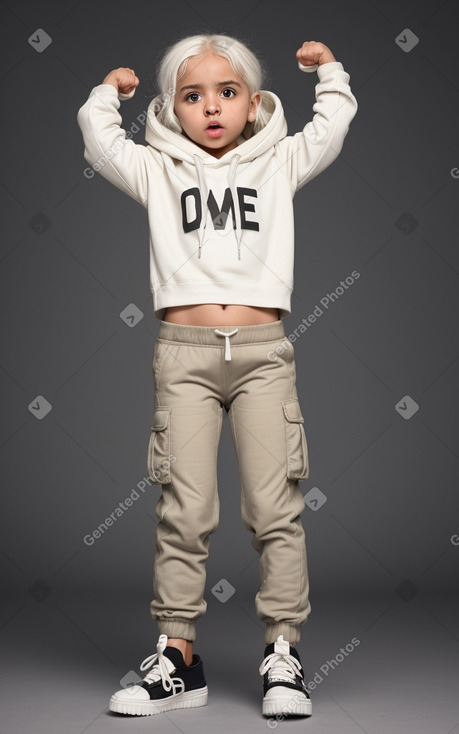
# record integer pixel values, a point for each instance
(214, 130)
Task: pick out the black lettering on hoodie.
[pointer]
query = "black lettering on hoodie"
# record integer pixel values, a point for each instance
(246, 207)
(218, 221)
(190, 226)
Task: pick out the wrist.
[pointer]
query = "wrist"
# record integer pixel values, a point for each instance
(326, 59)
(110, 80)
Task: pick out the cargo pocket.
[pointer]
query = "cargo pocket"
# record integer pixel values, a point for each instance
(297, 447)
(159, 458)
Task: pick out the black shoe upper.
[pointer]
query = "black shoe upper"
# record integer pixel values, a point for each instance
(192, 675)
(298, 685)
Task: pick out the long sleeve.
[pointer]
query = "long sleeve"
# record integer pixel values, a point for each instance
(310, 151)
(107, 149)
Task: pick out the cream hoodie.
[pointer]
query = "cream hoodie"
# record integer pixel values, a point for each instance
(221, 229)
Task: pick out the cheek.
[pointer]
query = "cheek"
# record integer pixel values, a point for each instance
(180, 115)
(180, 112)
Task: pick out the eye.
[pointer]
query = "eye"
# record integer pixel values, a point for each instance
(192, 96)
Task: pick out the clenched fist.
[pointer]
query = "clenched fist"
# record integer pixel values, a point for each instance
(314, 52)
(123, 79)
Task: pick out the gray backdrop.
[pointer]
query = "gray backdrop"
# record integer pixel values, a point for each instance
(376, 376)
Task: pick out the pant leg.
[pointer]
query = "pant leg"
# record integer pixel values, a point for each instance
(270, 443)
(186, 428)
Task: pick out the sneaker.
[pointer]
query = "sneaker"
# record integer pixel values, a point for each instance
(158, 691)
(284, 689)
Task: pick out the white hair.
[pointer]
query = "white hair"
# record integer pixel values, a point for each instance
(173, 63)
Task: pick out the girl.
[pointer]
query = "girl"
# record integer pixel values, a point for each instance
(217, 177)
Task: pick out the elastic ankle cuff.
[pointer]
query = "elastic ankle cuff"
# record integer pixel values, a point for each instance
(291, 633)
(182, 628)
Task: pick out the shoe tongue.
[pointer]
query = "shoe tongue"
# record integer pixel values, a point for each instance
(282, 646)
(173, 658)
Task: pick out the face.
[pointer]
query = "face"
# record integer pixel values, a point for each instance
(213, 103)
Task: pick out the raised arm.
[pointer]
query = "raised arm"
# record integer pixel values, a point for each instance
(107, 149)
(307, 153)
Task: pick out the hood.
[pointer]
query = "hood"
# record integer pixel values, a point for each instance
(179, 147)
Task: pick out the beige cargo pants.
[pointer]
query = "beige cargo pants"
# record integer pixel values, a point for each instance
(250, 372)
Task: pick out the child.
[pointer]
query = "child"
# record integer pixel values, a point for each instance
(217, 177)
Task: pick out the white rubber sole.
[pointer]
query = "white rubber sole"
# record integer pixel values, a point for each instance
(186, 700)
(285, 705)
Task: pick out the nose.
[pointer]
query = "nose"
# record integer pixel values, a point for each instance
(211, 107)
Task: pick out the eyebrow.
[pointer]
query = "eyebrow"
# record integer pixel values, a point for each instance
(218, 84)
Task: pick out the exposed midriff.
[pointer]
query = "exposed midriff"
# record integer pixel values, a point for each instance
(217, 314)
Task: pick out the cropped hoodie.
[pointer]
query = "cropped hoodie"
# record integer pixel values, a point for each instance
(221, 229)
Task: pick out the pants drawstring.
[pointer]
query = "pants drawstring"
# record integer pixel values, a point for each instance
(227, 341)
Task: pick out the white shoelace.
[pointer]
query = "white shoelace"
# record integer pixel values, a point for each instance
(161, 667)
(281, 666)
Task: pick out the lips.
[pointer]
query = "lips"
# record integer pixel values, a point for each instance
(214, 130)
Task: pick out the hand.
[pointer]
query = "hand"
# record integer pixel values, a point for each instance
(123, 79)
(314, 52)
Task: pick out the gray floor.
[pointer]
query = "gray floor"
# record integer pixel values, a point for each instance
(62, 659)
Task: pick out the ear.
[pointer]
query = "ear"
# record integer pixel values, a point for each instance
(255, 101)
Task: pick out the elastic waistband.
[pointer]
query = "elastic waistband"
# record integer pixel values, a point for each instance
(209, 334)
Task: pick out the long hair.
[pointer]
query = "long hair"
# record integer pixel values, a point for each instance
(173, 63)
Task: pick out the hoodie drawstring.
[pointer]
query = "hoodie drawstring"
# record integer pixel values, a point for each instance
(232, 185)
(203, 190)
(204, 193)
